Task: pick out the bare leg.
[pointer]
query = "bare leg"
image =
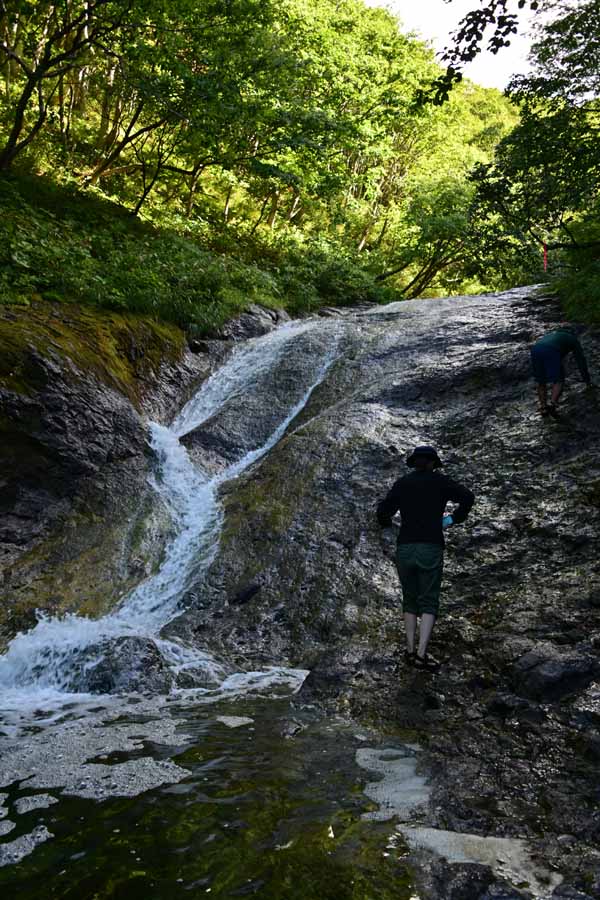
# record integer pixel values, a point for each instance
(427, 623)
(557, 390)
(542, 395)
(410, 626)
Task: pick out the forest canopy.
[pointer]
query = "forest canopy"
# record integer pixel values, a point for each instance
(225, 151)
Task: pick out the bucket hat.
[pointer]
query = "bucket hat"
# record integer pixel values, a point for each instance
(428, 452)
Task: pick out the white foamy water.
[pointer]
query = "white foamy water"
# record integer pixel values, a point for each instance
(37, 668)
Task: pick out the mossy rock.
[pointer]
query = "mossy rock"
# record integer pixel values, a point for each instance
(125, 352)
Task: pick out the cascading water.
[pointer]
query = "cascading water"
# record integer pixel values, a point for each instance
(38, 666)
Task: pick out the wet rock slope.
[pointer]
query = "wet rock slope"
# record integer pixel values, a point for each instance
(303, 575)
(76, 386)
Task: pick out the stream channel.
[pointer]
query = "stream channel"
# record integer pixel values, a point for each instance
(237, 785)
(232, 789)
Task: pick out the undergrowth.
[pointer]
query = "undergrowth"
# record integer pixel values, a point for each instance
(59, 243)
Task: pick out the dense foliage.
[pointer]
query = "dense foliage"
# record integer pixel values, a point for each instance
(276, 147)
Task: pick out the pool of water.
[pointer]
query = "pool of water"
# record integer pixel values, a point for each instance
(264, 798)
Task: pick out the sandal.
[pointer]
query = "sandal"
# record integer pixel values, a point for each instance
(426, 663)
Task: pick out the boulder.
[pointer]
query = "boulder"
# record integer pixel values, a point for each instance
(257, 320)
(547, 674)
(509, 705)
(121, 665)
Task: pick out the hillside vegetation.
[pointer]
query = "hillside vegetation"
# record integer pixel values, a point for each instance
(185, 159)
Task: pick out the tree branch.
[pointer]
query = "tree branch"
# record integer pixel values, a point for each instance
(12, 55)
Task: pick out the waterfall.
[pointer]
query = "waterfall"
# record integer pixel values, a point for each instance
(38, 665)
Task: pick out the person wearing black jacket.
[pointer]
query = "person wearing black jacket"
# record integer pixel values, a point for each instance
(421, 498)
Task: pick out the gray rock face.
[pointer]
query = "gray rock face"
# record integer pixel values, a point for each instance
(303, 574)
(249, 417)
(78, 426)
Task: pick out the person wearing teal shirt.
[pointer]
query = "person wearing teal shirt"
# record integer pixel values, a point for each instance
(547, 355)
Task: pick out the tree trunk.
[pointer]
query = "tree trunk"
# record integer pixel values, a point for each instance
(423, 278)
(146, 189)
(120, 146)
(262, 212)
(295, 208)
(273, 210)
(227, 204)
(363, 239)
(379, 239)
(105, 109)
(61, 110)
(189, 204)
(13, 145)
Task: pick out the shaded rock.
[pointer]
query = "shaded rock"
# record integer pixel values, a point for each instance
(245, 594)
(329, 312)
(461, 881)
(590, 745)
(122, 665)
(324, 683)
(502, 892)
(505, 704)
(563, 892)
(541, 675)
(257, 320)
(199, 346)
(291, 729)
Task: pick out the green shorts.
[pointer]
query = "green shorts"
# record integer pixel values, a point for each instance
(420, 569)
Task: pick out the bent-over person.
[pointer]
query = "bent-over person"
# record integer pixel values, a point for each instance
(547, 356)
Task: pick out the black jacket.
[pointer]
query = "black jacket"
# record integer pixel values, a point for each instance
(421, 498)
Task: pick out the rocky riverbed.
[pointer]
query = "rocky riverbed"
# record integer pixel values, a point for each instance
(506, 738)
(511, 723)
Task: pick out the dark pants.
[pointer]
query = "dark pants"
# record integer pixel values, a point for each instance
(420, 569)
(546, 364)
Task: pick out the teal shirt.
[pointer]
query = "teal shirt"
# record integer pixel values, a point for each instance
(566, 342)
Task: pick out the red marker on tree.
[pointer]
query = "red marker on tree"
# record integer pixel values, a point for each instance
(545, 257)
